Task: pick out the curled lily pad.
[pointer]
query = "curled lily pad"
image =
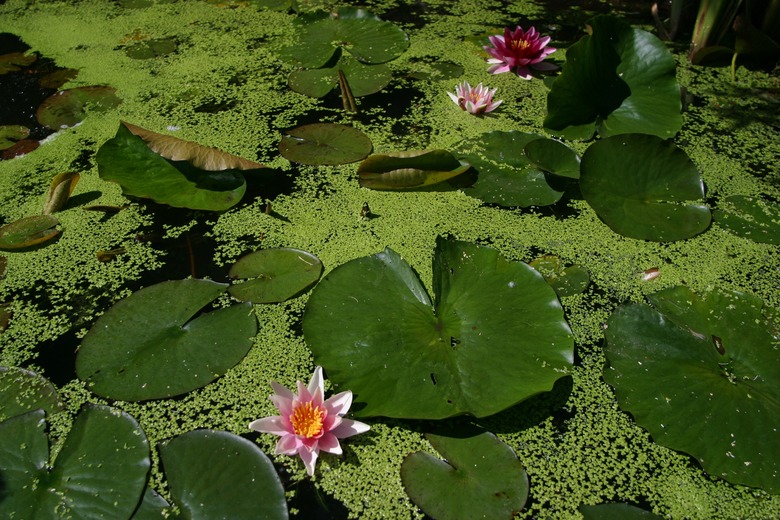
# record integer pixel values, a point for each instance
(152, 345)
(566, 281)
(750, 217)
(553, 157)
(69, 107)
(10, 134)
(29, 232)
(324, 143)
(644, 187)
(402, 170)
(60, 190)
(362, 79)
(494, 329)
(22, 391)
(480, 477)
(274, 275)
(702, 375)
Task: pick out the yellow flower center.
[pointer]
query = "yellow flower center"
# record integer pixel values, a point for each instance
(519, 44)
(306, 420)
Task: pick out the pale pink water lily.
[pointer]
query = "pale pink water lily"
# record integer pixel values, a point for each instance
(474, 100)
(519, 51)
(309, 424)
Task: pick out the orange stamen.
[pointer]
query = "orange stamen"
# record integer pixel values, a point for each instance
(307, 420)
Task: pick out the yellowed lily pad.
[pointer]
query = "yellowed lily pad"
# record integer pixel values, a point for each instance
(415, 169)
(28, 232)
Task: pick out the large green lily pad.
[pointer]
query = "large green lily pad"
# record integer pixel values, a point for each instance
(493, 336)
(100, 472)
(362, 79)
(750, 217)
(702, 375)
(643, 187)
(553, 157)
(480, 477)
(414, 169)
(152, 345)
(616, 80)
(324, 143)
(22, 391)
(274, 275)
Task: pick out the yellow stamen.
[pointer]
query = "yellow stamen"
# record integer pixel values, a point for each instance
(519, 44)
(307, 420)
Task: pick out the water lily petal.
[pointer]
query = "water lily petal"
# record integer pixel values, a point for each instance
(287, 445)
(309, 458)
(274, 425)
(339, 404)
(348, 428)
(329, 443)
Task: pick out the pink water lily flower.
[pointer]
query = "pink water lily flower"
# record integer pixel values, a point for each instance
(519, 51)
(308, 424)
(474, 100)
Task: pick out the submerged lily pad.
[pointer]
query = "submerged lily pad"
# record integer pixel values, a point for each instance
(10, 134)
(480, 477)
(493, 336)
(151, 344)
(275, 275)
(324, 143)
(22, 391)
(153, 48)
(750, 217)
(69, 107)
(402, 170)
(567, 281)
(362, 79)
(28, 232)
(642, 187)
(13, 61)
(702, 375)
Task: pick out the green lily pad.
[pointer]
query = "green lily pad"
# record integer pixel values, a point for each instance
(641, 187)
(750, 217)
(324, 143)
(128, 161)
(100, 472)
(152, 507)
(153, 48)
(702, 375)
(362, 79)
(567, 281)
(505, 176)
(275, 275)
(494, 336)
(22, 391)
(480, 477)
(403, 170)
(553, 157)
(29, 232)
(10, 134)
(616, 512)
(150, 345)
(69, 107)
(356, 31)
(216, 474)
(616, 80)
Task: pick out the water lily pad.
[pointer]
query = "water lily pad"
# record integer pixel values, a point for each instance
(494, 335)
(616, 512)
(13, 61)
(553, 157)
(402, 170)
(642, 187)
(324, 143)
(750, 217)
(10, 134)
(28, 232)
(100, 472)
(480, 477)
(152, 345)
(275, 275)
(69, 107)
(153, 48)
(216, 474)
(702, 375)
(567, 281)
(505, 176)
(616, 80)
(362, 79)
(129, 162)
(60, 190)
(22, 391)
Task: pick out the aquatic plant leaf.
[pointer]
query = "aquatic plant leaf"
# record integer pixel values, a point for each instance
(275, 275)
(403, 170)
(100, 472)
(13, 61)
(28, 232)
(216, 474)
(505, 175)
(566, 281)
(127, 160)
(10, 134)
(750, 217)
(354, 30)
(616, 512)
(702, 375)
(69, 107)
(616, 80)
(494, 336)
(553, 157)
(324, 143)
(153, 48)
(436, 71)
(60, 190)
(151, 344)
(480, 477)
(642, 187)
(363, 79)
(152, 506)
(22, 391)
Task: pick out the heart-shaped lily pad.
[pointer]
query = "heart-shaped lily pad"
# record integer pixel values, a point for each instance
(22, 391)
(494, 336)
(324, 143)
(150, 345)
(566, 281)
(750, 217)
(100, 472)
(642, 187)
(274, 275)
(68, 107)
(403, 170)
(702, 375)
(362, 79)
(616, 80)
(29, 232)
(216, 474)
(505, 176)
(479, 478)
(553, 157)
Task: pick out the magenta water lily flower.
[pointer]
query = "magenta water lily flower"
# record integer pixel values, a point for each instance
(519, 51)
(474, 100)
(309, 424)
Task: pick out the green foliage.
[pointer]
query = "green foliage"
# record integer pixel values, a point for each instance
(324, 143)
(403, 170)
(29, 232)
(750, 217)
(553, 157)
(69, 107)
(22, 391)
(274, 275)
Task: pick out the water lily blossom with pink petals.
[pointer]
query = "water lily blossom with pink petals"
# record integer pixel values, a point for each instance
(309, 424)
(519, 51)
(474, 100)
